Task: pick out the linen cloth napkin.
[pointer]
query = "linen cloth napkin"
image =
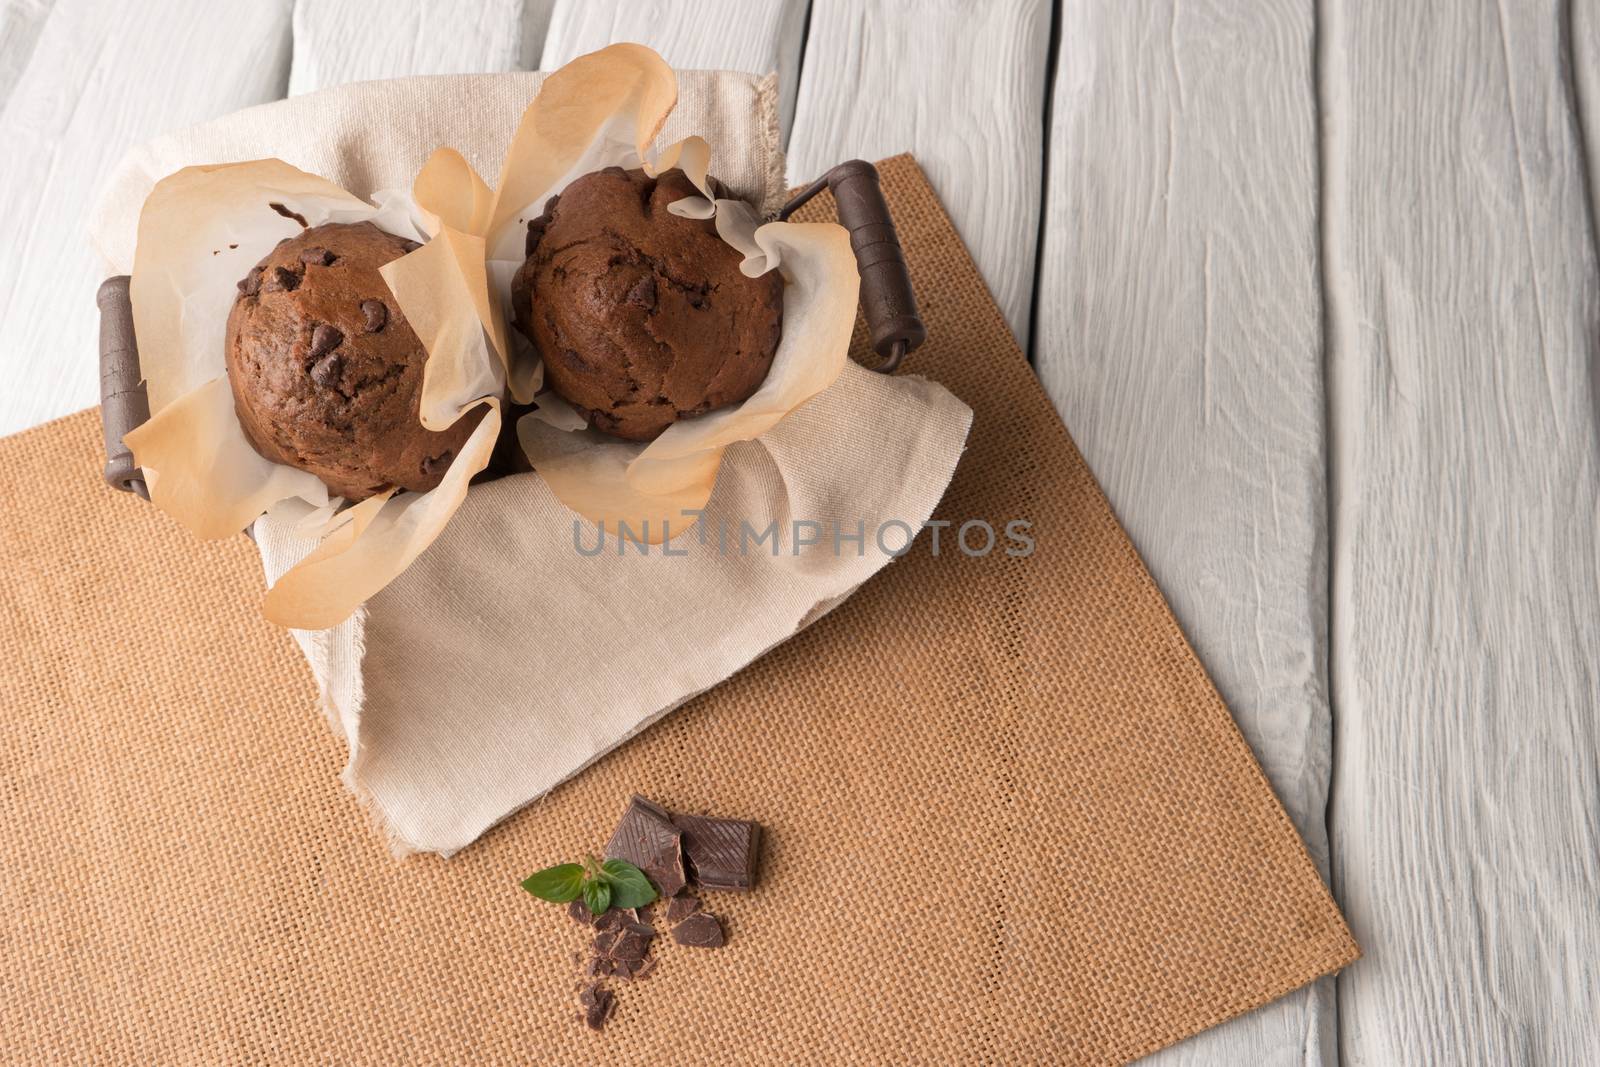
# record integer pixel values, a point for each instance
(512, 653)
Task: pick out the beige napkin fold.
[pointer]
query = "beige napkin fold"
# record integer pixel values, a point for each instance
(505, 659)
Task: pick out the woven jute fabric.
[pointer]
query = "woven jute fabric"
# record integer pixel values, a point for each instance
(1008, 818)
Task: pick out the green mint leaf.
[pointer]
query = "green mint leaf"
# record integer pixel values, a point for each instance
(557, 884)
(596, 896)
(629, 887)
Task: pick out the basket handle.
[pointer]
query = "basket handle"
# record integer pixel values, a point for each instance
(124, 405)
(886, 295)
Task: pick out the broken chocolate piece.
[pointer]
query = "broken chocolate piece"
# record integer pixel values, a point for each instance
(632, 942)
(317, 257)
(644, 969)
(604, 940)
(700, 930)
(646, 838)
(597, 1002)
(720, 853)
(681, 907)
(579, 912)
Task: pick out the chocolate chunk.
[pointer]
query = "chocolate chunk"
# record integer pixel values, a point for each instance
(250, 284)
(433, 463)
(324, 339)
(317, 257)
(681, 907)
(604, 940)
(721, 853)
(410, 245)
(327, 371)
(377, 315)
(578, 912)
(644, 969)
(597, 1003)
(643, 293)
(647, 839)
(596, 966)
(633, 941)
(700, 930)
(286, 213)
(283, 280)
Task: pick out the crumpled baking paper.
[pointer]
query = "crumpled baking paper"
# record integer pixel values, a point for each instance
(605, 109)
(200, 231)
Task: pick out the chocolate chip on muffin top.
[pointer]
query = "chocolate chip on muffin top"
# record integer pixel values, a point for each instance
(326, 372)
(642, 316)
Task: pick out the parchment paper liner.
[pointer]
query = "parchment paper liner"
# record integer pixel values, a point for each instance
(202, 229)
(605, 109)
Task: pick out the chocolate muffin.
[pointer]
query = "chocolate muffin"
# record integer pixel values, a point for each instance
(325, 370)
(642, 316)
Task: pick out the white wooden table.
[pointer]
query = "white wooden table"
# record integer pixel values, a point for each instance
(1314, 284)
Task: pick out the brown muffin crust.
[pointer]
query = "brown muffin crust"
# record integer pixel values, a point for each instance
(326, 372)
(642, 317)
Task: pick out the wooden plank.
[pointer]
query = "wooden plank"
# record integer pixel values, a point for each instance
(1464, 307)
(104, 75)
(757, 36)
(961, 83)
(21, 22)
(336, 41)
(1179, 334)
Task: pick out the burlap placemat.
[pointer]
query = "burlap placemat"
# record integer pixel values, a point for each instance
(1009, 818)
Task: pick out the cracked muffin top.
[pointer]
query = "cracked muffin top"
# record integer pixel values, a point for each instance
(642, 317)
(326, 372)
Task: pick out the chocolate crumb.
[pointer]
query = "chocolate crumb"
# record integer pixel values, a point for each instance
(700, 930)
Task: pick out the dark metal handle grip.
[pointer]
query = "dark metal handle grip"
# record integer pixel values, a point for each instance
(886, 294)
(123, 402)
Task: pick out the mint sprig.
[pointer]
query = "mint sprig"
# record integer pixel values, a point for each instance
(614, 883)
